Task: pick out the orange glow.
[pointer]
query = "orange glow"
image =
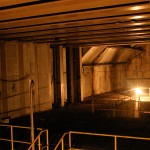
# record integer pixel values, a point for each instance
(138, 91)
(137, 17)
(136, 8)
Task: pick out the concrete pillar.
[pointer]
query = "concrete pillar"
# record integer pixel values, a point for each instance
(74, 75)
(81, 75)
(56, 76)
(77, 74)
(60, 78)
(70, 81)
(63, 76)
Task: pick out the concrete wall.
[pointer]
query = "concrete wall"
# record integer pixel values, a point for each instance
(138, 70)
(87, 81)
(19, 63)
(100, 79)
(118, 77)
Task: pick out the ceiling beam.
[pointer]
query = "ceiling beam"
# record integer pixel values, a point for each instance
(98, 42)
(135, 48)
(77, 31)
(53, 9)
(88, 34)
(76, 38)
(101, 64)
(69, 20)
(96, 39)
(5, 3)
(77, 25)
(75, 22)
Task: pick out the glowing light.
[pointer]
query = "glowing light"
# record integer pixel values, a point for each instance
(136, 8)
(137, 17)
(137, 29)
(138, 91)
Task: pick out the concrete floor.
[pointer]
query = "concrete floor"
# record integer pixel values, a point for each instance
(79, 118)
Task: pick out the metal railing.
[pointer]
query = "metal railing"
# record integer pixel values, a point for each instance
(12, 140)
(109, 103)
(61, 143)
(38, 140)
(114, 108)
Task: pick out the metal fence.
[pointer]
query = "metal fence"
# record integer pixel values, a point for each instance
(61, 144)
(11, 138)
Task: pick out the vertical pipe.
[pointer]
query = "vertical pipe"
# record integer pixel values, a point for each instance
(62, 144)
(12, 138)
(47, 140)
(69, 140)
(31, 83)
(39, 143)
(115, 142)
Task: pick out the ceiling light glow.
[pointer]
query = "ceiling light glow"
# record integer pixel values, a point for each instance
(136, 7)
(137, 17)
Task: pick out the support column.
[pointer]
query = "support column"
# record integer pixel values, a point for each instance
(70, 79)
(77, 74)
(56, 76)
(63, 76)
(73, 75)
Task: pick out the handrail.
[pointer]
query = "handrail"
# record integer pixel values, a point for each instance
(97, 134)
(16, 141)
(111, 135)
(111, 108)
(38, 138)
(61, 140)
(14, 126)
(12, 140)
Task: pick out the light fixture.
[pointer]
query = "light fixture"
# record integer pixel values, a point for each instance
(138, 91)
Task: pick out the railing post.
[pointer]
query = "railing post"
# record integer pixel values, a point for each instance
(12, 138)
(115, 142)
(39, 143)
(92, 106)
(62, 144)
(47, 140)
(69, 140)
(31, 84)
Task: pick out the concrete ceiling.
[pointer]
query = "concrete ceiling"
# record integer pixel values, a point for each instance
(111, 55)
(76, 22)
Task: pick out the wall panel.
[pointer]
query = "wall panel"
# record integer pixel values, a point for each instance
(138, 70)
(44, 73)
(20, 62)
